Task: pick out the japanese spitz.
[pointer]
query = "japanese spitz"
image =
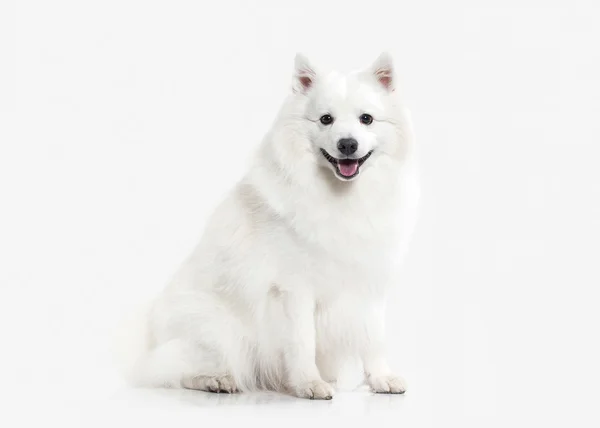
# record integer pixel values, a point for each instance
(291, 276)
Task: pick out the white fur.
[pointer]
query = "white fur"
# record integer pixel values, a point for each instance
(290, 277)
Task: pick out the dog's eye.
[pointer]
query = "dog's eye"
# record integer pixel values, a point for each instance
(326, 119)
(366, 119)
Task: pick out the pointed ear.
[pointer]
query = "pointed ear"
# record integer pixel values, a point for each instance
(304, 74)
(383, 70)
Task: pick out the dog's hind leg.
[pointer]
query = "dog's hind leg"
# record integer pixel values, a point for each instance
(210, 372)
(224, 383)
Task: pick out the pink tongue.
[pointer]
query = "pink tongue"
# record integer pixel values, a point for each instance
(348, 168)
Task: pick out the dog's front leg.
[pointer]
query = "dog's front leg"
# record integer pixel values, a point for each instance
(377, 371)
(303, 378)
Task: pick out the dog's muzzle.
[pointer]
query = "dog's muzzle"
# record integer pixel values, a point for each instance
(346, 168)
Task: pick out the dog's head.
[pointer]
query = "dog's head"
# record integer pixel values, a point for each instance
(348, 119)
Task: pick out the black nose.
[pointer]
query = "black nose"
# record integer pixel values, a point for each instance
(347, 145)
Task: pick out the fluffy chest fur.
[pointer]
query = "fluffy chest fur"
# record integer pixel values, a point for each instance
(335, 237)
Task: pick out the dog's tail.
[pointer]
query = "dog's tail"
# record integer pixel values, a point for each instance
(132, 343)
(140, 361)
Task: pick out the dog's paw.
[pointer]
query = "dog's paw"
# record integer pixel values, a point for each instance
(387, 384)
(315, 390)
(210, 383)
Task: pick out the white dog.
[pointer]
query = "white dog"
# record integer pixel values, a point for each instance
(290, 277)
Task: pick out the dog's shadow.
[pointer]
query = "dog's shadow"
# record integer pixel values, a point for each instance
(360, 400)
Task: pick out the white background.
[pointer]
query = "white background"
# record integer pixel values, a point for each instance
(123, 123)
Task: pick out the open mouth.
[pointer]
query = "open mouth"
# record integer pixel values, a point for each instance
(346, 168)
